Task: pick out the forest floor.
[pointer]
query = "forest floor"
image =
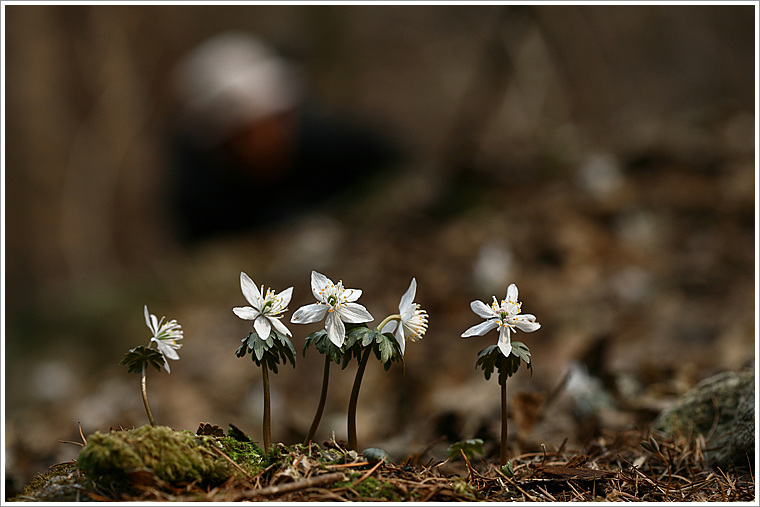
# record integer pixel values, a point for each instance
(629, 467)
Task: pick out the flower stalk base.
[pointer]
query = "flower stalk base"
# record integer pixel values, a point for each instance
(144, 390)
(267, 421)
(322, 399)
(504, 424)
(352, 440)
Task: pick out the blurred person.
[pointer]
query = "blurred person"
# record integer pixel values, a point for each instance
(250, 146)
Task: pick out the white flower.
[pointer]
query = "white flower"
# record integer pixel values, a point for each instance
(335, 301)
(414, 320)
(505, 316)
(266, 309)
(166, 335)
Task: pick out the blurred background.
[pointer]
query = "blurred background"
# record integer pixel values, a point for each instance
(600, 157)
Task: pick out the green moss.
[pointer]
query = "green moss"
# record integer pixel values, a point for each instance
(172, 456)
(464, 488)
(61, 483)
(371, 488)
(247, 455)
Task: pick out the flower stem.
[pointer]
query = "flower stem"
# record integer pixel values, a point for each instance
(144, 390)
(354, 398)
(504, 422)
(387, 320)
(267, 422)
(321, 406)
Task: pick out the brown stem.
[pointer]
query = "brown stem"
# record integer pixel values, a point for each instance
(144, 390)
(267, 422)
(352, 441)
(504, 422)
(322, 399)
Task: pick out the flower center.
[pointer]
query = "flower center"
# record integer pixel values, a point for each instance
(272, 303)
(416, 326)
(507, 310)
(332, 296)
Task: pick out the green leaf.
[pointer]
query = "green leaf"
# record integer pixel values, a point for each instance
(351, 352)
(269, 342)
(358, 334)
(470, 447)
(521, 350)
(491, 358)
(287, 350)
(487, 360)
(271, 362)
(386, 349)
(314, 338)
(142, 356)
(486, 351)
(258, 348)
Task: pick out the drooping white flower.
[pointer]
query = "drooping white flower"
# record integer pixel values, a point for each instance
(414, 320)
(335, 302)
(266, 307)
(166, 335)
(505, 316)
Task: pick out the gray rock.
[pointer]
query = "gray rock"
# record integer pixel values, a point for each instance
(725, 401)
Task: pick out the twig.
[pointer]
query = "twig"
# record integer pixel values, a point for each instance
(80, 432)
(368, 473)
(469, 467)
(295, 486)
(348, 465)
(513, 483)
(224, 455)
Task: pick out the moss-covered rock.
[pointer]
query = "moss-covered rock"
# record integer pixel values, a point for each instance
(721, 407)
(61, 483)
(176, 457)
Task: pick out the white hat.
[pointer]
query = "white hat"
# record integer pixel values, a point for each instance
(230, 80)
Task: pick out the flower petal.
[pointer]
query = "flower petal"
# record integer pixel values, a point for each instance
(318, 284)
(309, 313)
(512, 293)
(527, 325)
(389, 327)
(505, 345)
(400, 339)
(147, 320)
(285, 296)
(335, 328)
(250, 291)
(166, 349)
(354, 313)
(279, 326)
(246, 312)
(352, 295)
(262, 327)
(481, 329)
(408, 297)
(482, 310)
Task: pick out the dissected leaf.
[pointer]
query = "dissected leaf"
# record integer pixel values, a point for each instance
(277, 346)
(491, 358)
(386, 349)
(142, 356)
